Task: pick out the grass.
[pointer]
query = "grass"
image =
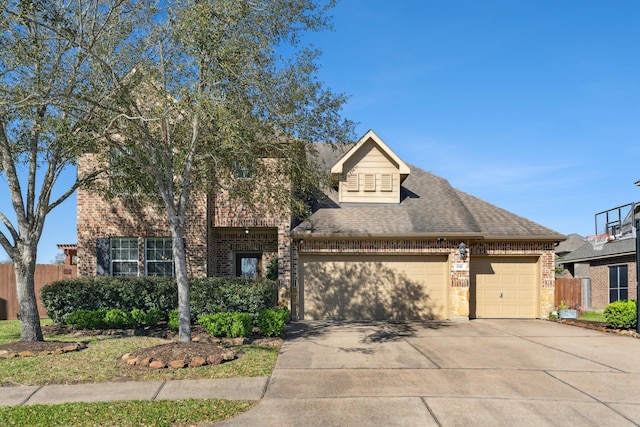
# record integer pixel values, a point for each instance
(101, 362)
(124, 414)
(593, 316)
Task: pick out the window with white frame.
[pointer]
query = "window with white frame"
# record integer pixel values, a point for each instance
(158, 256)
(124, 256)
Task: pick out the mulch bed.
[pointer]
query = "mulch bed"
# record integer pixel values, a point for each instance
(203, 346)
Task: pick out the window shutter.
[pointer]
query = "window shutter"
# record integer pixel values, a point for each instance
(369, 182)
(102, 257)
(352, 182)
(386, 182)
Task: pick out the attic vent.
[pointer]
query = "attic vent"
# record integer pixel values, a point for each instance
(352, 182)
(386, 182)
(369, 182)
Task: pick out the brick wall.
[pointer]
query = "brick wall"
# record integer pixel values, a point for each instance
(126, 217)
(268, 233)
(599, 273)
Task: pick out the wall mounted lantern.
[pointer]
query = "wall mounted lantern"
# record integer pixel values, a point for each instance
(246, 230)
(462, 250)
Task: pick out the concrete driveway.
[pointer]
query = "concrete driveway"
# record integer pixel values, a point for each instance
(477, 373)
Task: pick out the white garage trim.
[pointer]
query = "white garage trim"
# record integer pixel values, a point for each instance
(373, 287)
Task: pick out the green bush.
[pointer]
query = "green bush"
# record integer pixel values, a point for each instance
(117, 319)
(64, 297)
(216, 295)
(150, 318)
(272, 320)
(621, 314)
(208, 295)
(174, 320)
(87, 319)
(227, 324)
(272, 269)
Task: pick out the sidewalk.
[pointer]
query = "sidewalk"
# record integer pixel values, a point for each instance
(243, 388)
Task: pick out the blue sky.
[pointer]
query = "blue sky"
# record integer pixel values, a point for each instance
(532, 105)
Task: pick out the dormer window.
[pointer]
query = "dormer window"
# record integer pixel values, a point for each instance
(369, 173)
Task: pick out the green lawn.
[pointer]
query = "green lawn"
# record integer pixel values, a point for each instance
(593, 316)
(101, 362)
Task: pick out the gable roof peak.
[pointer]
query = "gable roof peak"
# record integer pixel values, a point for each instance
(371, 136)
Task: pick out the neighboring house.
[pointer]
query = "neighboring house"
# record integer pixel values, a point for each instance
(386, 241)
(608, 259)
(573, 242)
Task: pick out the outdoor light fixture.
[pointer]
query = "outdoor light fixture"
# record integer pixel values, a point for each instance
(462, 250)
(246, 230)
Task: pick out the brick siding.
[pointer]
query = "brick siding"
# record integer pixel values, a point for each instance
(599, 273)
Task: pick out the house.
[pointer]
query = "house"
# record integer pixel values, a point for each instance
(608, 258)
(387, 240)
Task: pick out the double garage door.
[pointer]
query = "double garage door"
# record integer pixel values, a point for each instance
(373, 287)
(385, 287)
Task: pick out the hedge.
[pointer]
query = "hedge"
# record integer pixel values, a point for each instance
(208, 295)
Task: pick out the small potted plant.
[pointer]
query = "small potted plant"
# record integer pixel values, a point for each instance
(565, 312)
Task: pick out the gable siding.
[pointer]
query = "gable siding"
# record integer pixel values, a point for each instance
(370, 160)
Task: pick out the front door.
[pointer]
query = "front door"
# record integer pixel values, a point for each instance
(249, 265)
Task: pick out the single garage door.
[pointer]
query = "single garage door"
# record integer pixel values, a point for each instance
(371, 287)
(504, 287)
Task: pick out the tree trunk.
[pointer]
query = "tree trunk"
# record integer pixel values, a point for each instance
(184, 293)
(30, 329)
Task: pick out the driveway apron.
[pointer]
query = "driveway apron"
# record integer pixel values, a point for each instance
(477, 373)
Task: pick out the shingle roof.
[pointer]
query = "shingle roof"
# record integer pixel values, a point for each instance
(611, 249)
(429, 206)
(573, 242)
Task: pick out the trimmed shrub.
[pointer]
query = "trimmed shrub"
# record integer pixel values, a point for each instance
(272, 320)
(87, 319)
(216, 295)
(150, 318)
(174, 320)
(621, 314)
(227, 324)
(117, 319)
(64, 297)
(208, 295)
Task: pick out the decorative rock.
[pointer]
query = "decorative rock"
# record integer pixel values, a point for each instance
(215, 359)
(72, 347)
(7, 354)
(197, 361)
(25, 354)
(177, 364)
(126, 356)
(229, 355)
(157, 364)
(145, 362)
(132, 361)
(58, 350)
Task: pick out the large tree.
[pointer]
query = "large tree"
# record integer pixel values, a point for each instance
(219, 85)
(52, 62)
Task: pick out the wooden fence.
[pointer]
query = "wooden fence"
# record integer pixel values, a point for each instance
(45, 274)
(568, 291)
